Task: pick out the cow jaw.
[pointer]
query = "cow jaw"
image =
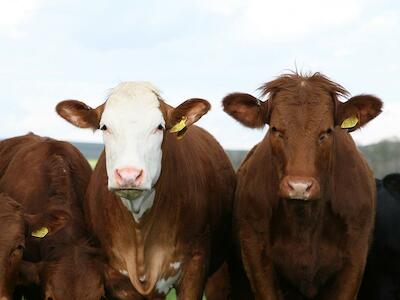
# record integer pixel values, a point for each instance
(132, 138)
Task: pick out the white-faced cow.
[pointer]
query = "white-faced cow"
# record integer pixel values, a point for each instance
(160, 196)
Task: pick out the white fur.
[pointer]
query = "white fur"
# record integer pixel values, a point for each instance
(132, 115)
(175, 265)
(140, 205)
(124, 272)
(164, 285)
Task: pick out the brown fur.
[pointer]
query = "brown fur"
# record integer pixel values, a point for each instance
(190, 216)
(315, 249)
(12, 242)
(46, 176)
(190, 219)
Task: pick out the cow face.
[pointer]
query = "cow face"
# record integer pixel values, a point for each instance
(133, 121)
(303, 114)
(14, 226)
(12, 243)
(73, 272)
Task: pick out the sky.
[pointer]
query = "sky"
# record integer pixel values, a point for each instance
(68, 49)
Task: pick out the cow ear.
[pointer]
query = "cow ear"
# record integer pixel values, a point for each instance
(246, 109)
(358, 111)
(29, 273)
(186, 114)
(80, 114)
(47, 223)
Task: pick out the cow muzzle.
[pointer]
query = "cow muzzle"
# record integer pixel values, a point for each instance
(299, 188)
(129, 178)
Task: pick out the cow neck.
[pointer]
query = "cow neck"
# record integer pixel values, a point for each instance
(141, 204)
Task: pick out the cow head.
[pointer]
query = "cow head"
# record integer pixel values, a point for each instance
(73, 272)
(303, 114)
(14, 226)
(133, 121)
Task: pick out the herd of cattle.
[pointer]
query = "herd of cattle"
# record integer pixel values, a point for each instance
(302, 218)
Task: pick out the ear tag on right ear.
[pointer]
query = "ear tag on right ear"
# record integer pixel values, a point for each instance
(179, 126)
(40, 233)
(349, 122)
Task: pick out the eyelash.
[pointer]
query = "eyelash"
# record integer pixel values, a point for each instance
(325, 134)
(277, 132)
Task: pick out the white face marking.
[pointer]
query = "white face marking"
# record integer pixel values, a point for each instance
(163, 286)
(132, 115)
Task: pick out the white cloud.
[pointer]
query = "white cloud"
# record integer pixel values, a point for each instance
(13, 13)
(265, 21)
(288, 20)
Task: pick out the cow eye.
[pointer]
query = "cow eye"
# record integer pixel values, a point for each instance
(325, 134)
(20, 247)
(103, 127)
(276, 132)
(160, 127)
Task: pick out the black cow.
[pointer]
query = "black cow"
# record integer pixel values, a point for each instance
(382, 274)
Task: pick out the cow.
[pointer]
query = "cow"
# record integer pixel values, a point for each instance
(160, 197)
(382, 273)
(14, 224)
(305, 197)
(46, 176)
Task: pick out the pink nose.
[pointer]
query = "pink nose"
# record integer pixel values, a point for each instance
(129, 177)
(294, 187)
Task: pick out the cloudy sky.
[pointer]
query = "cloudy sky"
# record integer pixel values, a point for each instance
(60, 49)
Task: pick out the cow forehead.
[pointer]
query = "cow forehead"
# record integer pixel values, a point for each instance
(310, 111)
(132, 99)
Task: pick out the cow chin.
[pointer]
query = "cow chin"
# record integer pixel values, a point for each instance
(130, 194)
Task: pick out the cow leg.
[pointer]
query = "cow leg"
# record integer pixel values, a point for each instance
(347, 284)
(218, 284)
(193, 281)
(348, 281)
(258, 267)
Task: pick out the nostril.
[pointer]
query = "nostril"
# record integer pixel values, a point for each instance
(290, 185)
(309, 186)
(117, 175)
(139, 177)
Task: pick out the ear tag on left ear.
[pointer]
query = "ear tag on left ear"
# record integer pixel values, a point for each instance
(179, 126)
(40, 233)
(349, 122)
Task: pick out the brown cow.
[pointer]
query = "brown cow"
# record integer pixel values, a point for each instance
(178, 188)
(305, 197)
(12, 243)
(14, 225)
(42, 175)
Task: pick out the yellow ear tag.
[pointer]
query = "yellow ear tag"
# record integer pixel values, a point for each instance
(349, 122)
(179, 126)
(40, 233)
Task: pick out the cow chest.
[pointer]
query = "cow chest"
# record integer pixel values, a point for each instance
(307, 251)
